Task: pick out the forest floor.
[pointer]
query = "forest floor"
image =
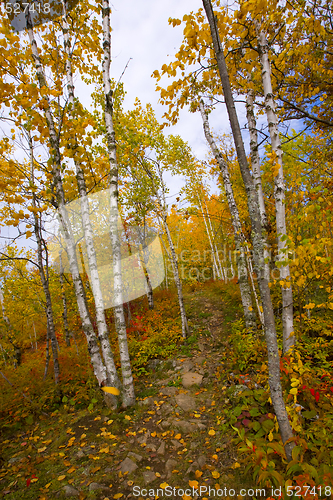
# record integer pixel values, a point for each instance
(173, 437)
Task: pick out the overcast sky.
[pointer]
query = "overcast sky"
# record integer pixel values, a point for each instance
(140, 30)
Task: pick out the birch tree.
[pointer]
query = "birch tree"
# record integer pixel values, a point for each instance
(279, 194)
(128, 387)
(258, 242)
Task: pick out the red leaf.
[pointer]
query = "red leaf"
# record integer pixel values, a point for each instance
(317, 396)
(312, 392)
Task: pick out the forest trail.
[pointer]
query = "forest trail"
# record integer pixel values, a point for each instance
(171, 437)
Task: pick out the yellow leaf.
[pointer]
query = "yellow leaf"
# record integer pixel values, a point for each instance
(34, 480)
(198, 473)
(164, 485)
(127, 417)
(153, 434)
(215, 474)
(178, 436)
(60, 478)
(40, 450)
(118, 495)
(109, 422)
(157, 474)
(111, 390)
(211, 432)
(215, 457)
(72, 469)
(47, 485)
(236, 465)
(193, 484)
(293, 390)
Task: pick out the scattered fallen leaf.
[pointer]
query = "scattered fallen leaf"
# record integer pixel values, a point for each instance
(153, 434)
(72, 469)
(40, 450)
(60, 478)
(215, 474)
(211, 432)
(164, 485)
(118, 495)
(127, 417)
(178, 436)
(198, 473)
(157, 474)
(193, 484)
(111, 390)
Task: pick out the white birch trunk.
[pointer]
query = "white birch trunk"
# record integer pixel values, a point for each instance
(174, 262)
(257, 238)
(216, 270)
(279, 194)
(44, 275)
(255, 163)
(216, 249)
(128, 387)
(96, 360)
(250, 318)
(102, 328)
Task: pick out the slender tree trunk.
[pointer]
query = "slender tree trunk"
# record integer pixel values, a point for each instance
(255, 163)
(174, 262)
(33, 324)
(64, 303)
(279, 195)
(47, 352)
(128, 387)
(250, 317)
(44, 275)
(216, 270)
(214, 244)
(98, 366)
(102, 328)
(258, 242)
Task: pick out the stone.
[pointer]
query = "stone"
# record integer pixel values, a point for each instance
(167, 408)
(80, 454)
(143, 439)
(127, 465)
(150, 447)
(146, 402)
(199, 360)
(191, 378)
(170, 465)
(168, 391)
(161, 449)
(70, 491)
(201, 461)
(154, 363)
(186, 402)
(148, 476)
(176, 444)
(97, 486)
(136, 456)
(201, 345)
(185, 426)
(187, 366)
(165, 424)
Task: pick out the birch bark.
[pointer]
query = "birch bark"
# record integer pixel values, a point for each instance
(44, 276)
(98, 366)
(128, 387)
(255, 163)
(258, 243)
(279, 194)
(250, 318)
(102, 328)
